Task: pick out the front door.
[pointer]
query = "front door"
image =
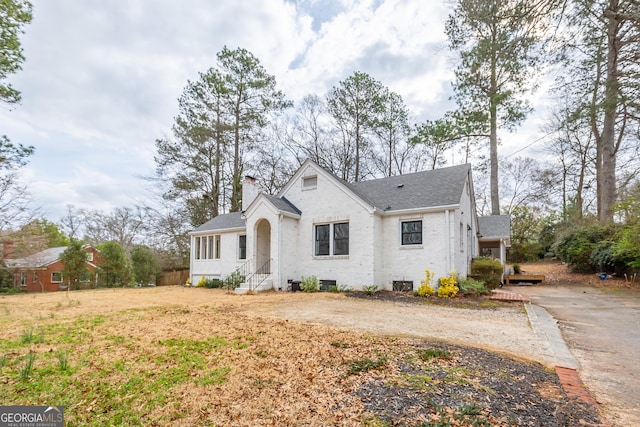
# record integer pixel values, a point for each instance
(263, 246)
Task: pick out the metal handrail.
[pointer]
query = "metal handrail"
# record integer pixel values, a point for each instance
(259, 276)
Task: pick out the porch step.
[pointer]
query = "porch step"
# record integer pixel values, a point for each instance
(266, 284)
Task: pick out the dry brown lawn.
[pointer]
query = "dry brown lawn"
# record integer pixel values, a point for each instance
(186, 356)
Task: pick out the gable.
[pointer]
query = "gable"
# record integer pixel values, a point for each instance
(311, 181)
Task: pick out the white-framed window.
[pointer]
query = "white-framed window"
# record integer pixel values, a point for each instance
(309, 182)
(56, 277)
(90, 256)
(331, 239)
(411, 232)
(216, 242)
(242, 246)
(23, 279)
(196, 249)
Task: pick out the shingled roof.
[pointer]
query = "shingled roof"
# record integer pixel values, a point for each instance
(37, 260)
(427, 189)
(223, 222)
(494, 227)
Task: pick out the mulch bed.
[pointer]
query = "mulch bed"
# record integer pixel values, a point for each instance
(465, 386)
(472, 387)
(479, 302)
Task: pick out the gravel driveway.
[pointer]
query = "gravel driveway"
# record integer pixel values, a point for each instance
(505, 329)
(602, 330)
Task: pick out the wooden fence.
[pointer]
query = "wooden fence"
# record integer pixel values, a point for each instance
(175, 277)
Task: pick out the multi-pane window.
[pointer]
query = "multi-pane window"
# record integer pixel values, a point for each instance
(412, 232)
(332, 239)
(56, 277)
(341, 239)
(242, 247)
(322, 239)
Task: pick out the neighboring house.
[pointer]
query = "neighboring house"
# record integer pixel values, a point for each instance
(42, 271)
(495, 236)
(383, 232)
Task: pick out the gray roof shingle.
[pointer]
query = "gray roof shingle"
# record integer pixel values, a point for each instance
(282, 204)
(494, 226)
(223, 222)
(39, 259)
(427, 189)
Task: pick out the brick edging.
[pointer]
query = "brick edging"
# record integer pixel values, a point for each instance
(574, 387)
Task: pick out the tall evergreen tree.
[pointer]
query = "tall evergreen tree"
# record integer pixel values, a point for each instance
(221, 118)
(497, 43)
(355, 105)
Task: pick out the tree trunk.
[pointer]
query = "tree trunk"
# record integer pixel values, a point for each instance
(608, 140)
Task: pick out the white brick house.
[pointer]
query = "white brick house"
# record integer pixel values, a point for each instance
(380, 232)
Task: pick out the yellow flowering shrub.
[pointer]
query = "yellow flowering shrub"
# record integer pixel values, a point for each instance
(425, 288)
(201, 282)
(448, 286)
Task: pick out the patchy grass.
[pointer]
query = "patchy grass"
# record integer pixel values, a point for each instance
(171, 363)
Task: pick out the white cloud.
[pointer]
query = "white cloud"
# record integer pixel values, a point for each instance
(101, 78)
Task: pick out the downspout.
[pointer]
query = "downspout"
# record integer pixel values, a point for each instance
(448, 227)
(277, 261)
(191, 242)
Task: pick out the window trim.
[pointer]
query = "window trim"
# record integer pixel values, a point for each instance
(309, 182)
(54, 273)
(331, 239)
(402, 232)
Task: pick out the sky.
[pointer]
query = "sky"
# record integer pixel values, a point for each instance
(101, 78)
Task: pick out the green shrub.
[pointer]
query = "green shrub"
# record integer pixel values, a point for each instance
(234, 280)
(370, 289)
(213, 283)
(472, 287)
(576, 247)
(488, 271)
(516, 268)
(310, 284)
(333, 288)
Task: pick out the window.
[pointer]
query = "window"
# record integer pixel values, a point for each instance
(56, 277)
(332, 239)
(210, 247)
(322, 239)
(23, 279)
(412, 232)
(90, 257)
(197, 248)
(309, 182)
(217, 243)
(341, 239)
(35, 276)
(242, 247)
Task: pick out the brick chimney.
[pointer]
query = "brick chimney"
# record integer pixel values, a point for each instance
(7, 250)
(250, 190)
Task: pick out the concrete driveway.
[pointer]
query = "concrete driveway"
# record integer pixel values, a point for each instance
(602, 330)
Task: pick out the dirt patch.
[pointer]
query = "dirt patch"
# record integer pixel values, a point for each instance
(559, 274)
